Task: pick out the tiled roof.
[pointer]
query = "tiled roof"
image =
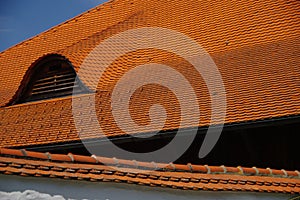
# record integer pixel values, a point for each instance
(188, 177)
(255, 46)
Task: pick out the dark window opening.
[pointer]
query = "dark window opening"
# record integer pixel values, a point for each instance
(52, 77)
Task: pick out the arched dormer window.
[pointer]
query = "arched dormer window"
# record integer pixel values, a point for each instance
(51, 77)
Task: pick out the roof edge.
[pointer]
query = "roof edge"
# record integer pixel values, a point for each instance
(60, 24)
(171, 167)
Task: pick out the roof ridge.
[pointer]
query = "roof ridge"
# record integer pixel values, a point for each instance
(192, 168)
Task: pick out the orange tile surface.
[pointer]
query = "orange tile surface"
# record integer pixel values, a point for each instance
(187, 177)
(255, 46)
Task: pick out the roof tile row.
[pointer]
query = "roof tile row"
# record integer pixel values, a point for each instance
(71, 158)
(189, 177)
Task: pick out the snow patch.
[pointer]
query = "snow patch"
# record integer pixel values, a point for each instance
(28, 195)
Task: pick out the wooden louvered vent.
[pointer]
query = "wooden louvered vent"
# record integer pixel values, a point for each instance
(53, 78)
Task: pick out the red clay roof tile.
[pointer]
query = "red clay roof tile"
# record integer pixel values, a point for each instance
(188, 177)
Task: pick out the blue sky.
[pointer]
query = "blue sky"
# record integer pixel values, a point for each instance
(22, 19)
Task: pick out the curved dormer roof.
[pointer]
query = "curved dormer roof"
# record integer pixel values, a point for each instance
(51, 76)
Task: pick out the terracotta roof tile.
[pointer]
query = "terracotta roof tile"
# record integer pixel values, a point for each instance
(187, 177)
(254, 44)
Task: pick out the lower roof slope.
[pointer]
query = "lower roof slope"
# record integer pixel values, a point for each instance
(187, 177)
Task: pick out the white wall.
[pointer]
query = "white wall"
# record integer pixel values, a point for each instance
(75, 189)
